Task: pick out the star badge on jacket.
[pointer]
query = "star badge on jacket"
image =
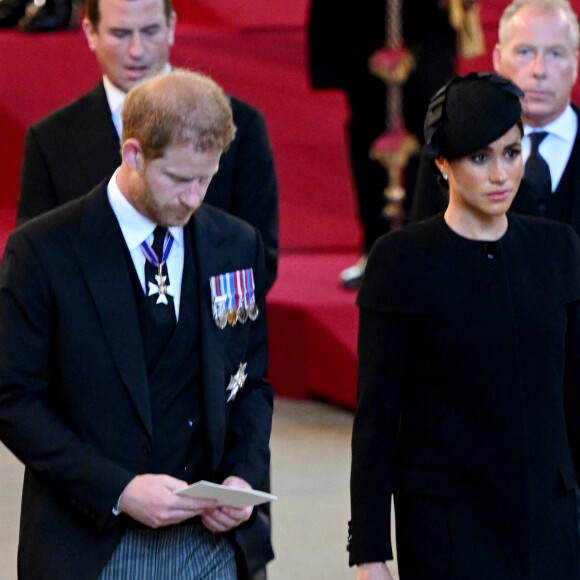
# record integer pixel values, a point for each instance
(236, 382)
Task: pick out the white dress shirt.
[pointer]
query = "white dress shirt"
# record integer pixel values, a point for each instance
(557, 145)
(115, 98)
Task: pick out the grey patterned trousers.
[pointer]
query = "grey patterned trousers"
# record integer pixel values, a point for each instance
(187, 552)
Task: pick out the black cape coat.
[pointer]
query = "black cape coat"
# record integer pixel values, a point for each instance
(468, 355)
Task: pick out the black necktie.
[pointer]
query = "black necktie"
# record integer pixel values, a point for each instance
(537, 174)
(161, 307)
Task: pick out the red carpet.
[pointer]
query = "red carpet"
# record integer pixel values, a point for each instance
(313, 325)
(241, 14)
(257, 51)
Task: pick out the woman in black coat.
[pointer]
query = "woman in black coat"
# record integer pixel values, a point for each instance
(469, 366)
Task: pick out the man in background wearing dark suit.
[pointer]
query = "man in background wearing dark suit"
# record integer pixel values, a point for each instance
(131, 40)
(538, 51)
(133, 356)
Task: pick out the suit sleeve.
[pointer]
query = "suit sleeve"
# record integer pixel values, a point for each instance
(255, 196)
(31, 421)
(572, 369)
(382, 349)
(37, 193)
(572, 383)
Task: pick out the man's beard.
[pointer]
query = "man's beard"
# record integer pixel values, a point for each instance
(145, 203)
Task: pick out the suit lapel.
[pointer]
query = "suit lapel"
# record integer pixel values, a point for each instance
(209, 249)
(102, 256)
(571, 177)
(97, 137)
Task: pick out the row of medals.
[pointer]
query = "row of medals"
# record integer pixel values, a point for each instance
(232, 316)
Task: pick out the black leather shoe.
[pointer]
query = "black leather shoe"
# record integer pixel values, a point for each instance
(11, 11)
(49, 15)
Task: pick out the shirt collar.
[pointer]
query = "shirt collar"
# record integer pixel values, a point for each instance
(115, 96)
(135, 227)
(564, 127)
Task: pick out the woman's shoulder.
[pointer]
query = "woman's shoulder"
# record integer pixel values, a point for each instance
(544, 235)
(549, 248)
(398, 262)
(414, 238)
(531, 223)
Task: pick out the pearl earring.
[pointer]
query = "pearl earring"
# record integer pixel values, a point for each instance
(445, 176)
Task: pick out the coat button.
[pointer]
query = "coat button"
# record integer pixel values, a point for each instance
(146, 449)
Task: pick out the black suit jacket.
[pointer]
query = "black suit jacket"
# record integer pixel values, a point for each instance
(69, 152)
(74, 394)
(430, 198)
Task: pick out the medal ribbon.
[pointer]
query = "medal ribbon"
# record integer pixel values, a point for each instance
(152, 257)
(240, 297)
(229, 285)
(233, 293)
(250, 284)
(245, 286)
(215, 287)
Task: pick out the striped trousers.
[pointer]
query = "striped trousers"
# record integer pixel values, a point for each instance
(186, 552)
